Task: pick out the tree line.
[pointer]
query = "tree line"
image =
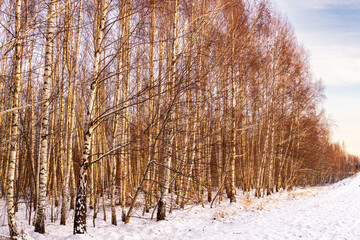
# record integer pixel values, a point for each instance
(155, 104)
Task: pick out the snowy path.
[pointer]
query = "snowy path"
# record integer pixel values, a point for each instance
(331, 212)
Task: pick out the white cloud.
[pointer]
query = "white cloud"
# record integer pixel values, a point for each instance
(293, 6)
(320, 4)
(336, 65)
(334, 56)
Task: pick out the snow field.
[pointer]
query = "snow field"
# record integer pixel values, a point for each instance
(329, 212)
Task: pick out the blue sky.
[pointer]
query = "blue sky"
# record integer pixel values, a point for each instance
(330, 31)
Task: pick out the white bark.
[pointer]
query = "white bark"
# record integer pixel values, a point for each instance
(124, 157)
(161, 214)
(15, 126)
(71, 120)
(80, 203)
(44, 135)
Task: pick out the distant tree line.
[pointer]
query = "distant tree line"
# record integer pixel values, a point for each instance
(175, 101)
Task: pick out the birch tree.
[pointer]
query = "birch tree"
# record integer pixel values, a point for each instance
(41, 207)
(172, 96)
(80, 205)
(72, 65)
(15, 124)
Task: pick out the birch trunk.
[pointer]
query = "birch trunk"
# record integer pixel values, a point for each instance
(73, 70)
(161, 213)
(233, 116)
(40, 215)
(115, 141)
(151, 106)
(125, 136)
(80, 202)
(15, 126)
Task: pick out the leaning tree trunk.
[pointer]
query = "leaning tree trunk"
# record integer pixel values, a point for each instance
(15, 126)
(80, 202)
(40, 215)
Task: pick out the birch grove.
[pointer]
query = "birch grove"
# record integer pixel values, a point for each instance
(149, 105)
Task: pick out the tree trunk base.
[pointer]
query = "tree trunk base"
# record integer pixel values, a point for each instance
(80, 205)
(113, 216)
(209, 197)
(80, 216)
(40, 224)
(123, 215)
(233, 197)
(161, 213)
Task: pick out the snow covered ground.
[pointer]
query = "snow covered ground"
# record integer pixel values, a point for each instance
(330, 212)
